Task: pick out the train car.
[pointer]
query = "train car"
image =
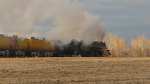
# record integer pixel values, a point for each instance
(7, 45)
(37, 44)
(40, 47)
(21, 47)
(22, 44)
(4, 42)
(4, 45)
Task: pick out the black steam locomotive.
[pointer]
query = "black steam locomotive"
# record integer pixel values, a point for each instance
(79, 48)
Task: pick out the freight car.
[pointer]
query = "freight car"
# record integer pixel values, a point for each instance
(21, 47)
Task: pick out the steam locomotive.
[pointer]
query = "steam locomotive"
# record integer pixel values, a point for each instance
(12, 46)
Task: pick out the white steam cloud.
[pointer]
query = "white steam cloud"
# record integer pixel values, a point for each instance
(56, 19)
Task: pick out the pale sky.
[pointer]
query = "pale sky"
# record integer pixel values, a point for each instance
(126, 18)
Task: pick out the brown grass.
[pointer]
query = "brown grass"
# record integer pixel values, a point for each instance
(75, 70)
(138, 47)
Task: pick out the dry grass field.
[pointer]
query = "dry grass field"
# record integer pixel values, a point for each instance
(75, 70)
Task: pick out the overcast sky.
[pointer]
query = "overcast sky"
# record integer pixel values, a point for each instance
(127, 18)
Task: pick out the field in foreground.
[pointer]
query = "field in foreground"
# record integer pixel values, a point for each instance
(75, 70)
